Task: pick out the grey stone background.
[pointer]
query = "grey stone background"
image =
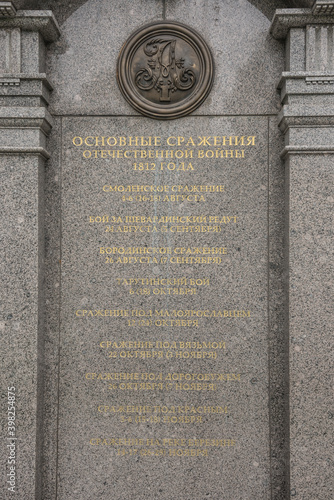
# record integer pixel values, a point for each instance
(244, 65)
(220, 474)
(63, 9)
(299, 223)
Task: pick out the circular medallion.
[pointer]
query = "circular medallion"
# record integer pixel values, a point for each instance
(165, 70)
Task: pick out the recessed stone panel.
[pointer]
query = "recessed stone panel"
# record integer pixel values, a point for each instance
(164, 324)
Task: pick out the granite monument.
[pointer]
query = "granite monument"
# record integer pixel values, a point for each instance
(166, 173)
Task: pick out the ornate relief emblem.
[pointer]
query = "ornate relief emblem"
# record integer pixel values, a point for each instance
(164, 73)
(165, 70)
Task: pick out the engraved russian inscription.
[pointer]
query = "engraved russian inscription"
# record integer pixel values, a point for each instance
(161, 310)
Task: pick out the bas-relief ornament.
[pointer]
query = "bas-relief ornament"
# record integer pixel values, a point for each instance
(165, 70)
(162, 72)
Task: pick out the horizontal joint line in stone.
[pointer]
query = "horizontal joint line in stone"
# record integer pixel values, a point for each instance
(288, 150)
(88, 115)
(33, 151)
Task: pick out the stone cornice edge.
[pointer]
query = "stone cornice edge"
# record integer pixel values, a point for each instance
(284, 19)
(42, 21)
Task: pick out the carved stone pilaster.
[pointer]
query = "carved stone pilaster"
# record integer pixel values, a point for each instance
(307, 120)
(24, 85)
(24, 126)
(307, 85)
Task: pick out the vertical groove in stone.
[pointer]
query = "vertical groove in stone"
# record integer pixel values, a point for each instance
(323, 52)
(60, 292)
(5, 52)
(268, 312)
(287, 326)
(317, 50)
(15, 51)
(310, 51)
(330, 49)
(40, 328)
(278, 362)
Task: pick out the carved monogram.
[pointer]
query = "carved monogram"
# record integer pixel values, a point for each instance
(163, 72)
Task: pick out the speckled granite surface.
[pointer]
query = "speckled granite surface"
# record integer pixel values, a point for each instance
(169, 308)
